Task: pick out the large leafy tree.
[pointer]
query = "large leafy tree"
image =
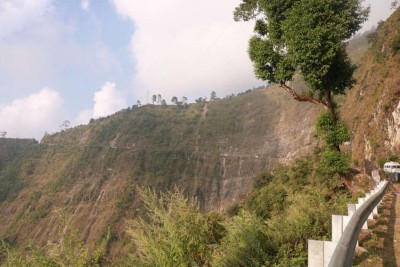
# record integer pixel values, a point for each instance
(306, 37)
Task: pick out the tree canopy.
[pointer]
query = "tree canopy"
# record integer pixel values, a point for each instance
(306, 37)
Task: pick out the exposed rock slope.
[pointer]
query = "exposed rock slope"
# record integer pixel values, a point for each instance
(372, 108)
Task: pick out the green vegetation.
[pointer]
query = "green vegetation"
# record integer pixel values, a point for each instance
(282, 212)
(93, 171)
(395, 45)
(177, 235)
(271, 228)
(245, 243)
(308, 38)
(334, 133)
(157, 147)
(16, 163)
(69, 251)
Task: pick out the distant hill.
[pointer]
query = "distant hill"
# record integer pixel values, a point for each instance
(210, 150)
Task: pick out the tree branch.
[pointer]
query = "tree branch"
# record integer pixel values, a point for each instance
(303, 98)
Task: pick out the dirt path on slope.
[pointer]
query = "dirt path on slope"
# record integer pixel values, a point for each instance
(396, 239)
(382, 240)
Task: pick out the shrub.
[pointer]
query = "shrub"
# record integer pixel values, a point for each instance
(175, 234)
(396, 45)
(31, 256)
(270, 199)
(233, 210)
(333, 162)
(262, 180)
(333, 131)
(69, 251)
(245, 243)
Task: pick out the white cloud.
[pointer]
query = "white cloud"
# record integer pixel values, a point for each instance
(31, 116)
(23, 58)
(184, 47)
(85, 5)
(107, 101)
(18, 15)
(188, 48)
(38, 47)
(83, 117)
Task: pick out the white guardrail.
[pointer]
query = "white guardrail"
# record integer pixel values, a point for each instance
(345, 231)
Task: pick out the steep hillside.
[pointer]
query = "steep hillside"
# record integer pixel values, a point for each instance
(372, 108)
(11, 149)
(14, 156)
(210, 150)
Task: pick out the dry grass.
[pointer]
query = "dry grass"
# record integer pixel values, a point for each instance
(369, 104)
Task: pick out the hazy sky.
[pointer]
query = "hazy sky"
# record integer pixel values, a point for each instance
(81, 59)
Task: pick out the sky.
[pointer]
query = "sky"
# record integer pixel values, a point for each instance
(81, 59)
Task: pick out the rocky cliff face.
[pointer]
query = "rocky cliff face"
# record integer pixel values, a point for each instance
(393, 128)
(372, 108)
(211, 151)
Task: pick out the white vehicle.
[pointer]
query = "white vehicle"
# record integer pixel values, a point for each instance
(391, 167)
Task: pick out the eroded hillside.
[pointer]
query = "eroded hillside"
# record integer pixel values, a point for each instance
(210, 150)
(372, 108)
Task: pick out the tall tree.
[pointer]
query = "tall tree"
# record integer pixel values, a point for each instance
(306, 37)
(184, 100)
(213, 96)
(65, 125)
(154, 99)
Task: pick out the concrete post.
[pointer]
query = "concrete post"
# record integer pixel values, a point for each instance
(375, 211)
(315, 253)
(337, 227)
(351, 208)
(320, 252)
(346, 220)
(329, 248)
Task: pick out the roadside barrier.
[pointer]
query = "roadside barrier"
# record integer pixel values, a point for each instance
(345, 231)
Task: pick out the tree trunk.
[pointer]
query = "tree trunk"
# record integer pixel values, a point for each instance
(303, 98)
(330, 105)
